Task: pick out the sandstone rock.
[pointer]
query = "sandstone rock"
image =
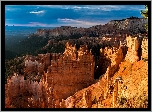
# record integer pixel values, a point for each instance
(144, 47)
(133, 46)
(71, 73)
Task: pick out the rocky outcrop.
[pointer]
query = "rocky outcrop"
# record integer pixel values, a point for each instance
(19, 90)
(22, 93)
(115, 56)
(134, 77)
(133, 46)
(71, 73)
(137, 48)
(71, 51)
(131, 24)
(112, 57)
(144, 47)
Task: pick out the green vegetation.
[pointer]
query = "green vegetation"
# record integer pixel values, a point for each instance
(10, 55)
(26, 46)
(132, 17)
(139, 101)
(144, 59)
(121, 100)
(14, 65)
(144, 13)
(34, 45)
(142, 101)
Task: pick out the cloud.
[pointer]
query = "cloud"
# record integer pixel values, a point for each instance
(79, 23)
(89, 7)
(36, 23)
(136, 8)
(11, 9)
(101, 7)
(50, 6)
(37, 12)
(9, 19)
(74, 15)
(84, 7)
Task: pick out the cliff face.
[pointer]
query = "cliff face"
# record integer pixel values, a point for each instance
(133, 46)
(67, 80)
(128, 89)
(119, 88)
(59, 76)
(137, 48)
(71, 73)
(110, 58)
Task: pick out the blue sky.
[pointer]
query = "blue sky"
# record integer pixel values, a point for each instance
(68, 15)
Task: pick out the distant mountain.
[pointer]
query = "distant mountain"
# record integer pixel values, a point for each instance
(113, 27)
(52, 40)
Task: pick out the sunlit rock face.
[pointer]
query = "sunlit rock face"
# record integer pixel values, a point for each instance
(70, 51)
(129, 83)
(110, 58)
(73, 71)
(144, 47)
(133, 46)
(65, 75)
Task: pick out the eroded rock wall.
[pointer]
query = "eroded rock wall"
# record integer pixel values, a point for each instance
(69, 74)
(144, 47)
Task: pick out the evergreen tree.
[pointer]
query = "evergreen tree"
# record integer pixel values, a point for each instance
(144, 13)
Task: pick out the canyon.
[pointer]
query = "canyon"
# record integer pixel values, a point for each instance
(66, 80)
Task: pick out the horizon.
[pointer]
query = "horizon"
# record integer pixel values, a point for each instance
(64, 25)
(68, 15)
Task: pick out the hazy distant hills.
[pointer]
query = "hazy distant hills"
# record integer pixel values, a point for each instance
(22, 31)
(17, 42)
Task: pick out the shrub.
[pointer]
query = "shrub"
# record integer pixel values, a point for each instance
(122, 100)
(144, 59)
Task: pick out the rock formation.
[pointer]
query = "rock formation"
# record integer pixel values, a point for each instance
(137, 48)
(133, 46)
(127, 91)
(70, 51)
(67, 80)
(144, 47)
(71, 73)
(115, 91)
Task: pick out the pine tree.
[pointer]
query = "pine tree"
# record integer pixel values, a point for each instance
(144, 13)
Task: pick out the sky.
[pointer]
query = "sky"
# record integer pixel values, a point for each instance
(68, 15)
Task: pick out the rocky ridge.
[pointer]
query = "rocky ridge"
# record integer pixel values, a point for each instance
(114, 27)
